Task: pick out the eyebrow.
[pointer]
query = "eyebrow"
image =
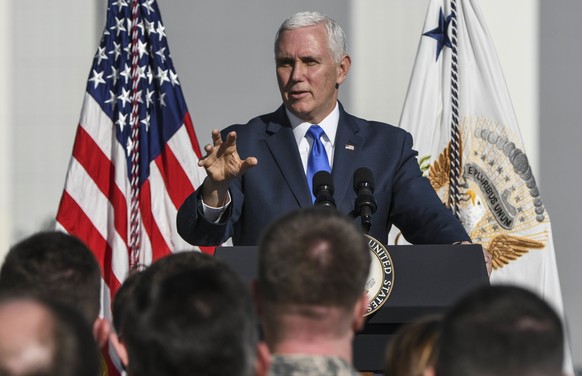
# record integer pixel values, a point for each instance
(286, 59)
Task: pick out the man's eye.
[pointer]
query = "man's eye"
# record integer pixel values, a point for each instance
(284, 63)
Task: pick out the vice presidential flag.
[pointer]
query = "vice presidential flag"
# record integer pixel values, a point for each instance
(460, 114)
(135, 154)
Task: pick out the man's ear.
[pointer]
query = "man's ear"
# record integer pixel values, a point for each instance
(263, 359)
(342, 69)
(119, 348)
(429, 371)
(360, 310)
(101, 330)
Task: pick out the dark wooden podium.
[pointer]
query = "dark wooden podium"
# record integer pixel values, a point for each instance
(427, 279)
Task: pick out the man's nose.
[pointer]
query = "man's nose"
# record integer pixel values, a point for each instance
(298, 71)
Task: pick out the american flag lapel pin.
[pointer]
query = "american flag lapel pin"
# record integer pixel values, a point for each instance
(350, 147)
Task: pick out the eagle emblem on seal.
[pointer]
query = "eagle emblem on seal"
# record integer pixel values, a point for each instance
(500, 205)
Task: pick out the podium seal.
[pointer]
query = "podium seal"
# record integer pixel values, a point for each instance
(381, 277)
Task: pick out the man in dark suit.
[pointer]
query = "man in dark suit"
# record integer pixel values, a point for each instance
(257, 171)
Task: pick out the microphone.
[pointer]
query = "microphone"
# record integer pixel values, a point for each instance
(365, 203)
(323, 189)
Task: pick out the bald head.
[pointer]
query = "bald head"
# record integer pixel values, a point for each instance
(26, 346)
(43, 338)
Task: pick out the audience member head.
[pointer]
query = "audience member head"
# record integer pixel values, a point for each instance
(43, 338)
(414, 348)
(313, 265)
(190, 315)
(54, 265)
(159, 270)
(501, 330)
(177, 262)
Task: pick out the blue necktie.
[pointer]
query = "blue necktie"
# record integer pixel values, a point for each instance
(318, 160)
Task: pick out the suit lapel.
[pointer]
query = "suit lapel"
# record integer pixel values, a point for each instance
(348, 146)
(283, 148)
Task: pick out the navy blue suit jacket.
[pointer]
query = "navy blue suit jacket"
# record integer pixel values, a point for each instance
(278, 184)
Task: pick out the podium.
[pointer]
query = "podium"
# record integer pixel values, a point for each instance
(427, 280)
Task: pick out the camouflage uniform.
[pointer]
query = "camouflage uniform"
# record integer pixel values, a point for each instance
(301, 365)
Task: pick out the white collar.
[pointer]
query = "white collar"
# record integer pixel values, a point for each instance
(329, 125)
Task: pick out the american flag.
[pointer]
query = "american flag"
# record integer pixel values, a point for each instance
(135, 154)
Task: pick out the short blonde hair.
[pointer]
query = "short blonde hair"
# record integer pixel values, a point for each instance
(414, 348)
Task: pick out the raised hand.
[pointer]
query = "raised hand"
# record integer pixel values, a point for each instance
(222, 164)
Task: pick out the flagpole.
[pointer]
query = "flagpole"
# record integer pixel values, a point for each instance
(134, 235)
(454, 147)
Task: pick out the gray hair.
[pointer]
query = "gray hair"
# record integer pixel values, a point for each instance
(335, 35)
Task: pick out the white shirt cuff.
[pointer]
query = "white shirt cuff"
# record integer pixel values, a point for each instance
(213, 214)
